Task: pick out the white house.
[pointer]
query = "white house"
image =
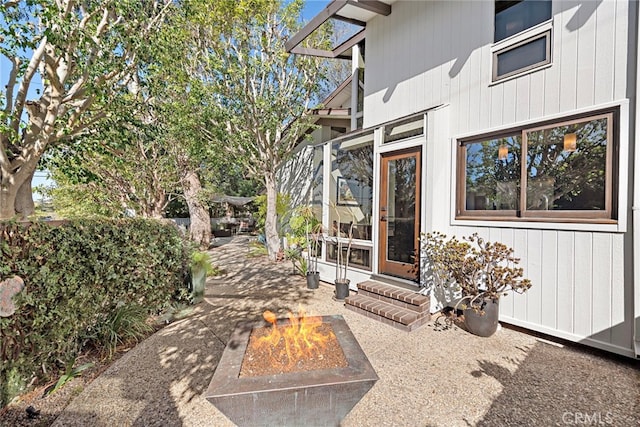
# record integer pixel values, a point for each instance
(512, 119)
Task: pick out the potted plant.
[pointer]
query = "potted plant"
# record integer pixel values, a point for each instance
(482, 271)
(306, 232)
(342, 261)
(314, 236)
(200, 268)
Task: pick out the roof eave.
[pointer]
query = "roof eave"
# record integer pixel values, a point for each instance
(331, 11)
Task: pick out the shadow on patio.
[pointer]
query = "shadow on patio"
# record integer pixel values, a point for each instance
(427, 377)
(558, 386)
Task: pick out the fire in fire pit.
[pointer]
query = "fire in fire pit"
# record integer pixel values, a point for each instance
(317, 397)
(304, 344)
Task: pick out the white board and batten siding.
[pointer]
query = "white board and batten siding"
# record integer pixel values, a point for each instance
(430, 53)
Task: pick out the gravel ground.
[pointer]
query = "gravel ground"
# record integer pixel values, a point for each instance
(430, 377)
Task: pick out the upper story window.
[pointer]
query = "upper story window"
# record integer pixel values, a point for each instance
(561, 171)
(522, 36)
(513, 17)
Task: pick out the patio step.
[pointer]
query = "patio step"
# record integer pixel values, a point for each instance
(401, 308)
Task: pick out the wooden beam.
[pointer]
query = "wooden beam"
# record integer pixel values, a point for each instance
(331, 11)
(350, 20)
(322, 17)
(349, 43)
(374, 6)
(331, 112)
(299, 50)
(338, 52)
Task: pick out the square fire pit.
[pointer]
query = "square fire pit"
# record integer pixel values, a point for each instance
(321, 397)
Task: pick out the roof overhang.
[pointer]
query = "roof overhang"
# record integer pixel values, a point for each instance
(332, 112)
(357, 12)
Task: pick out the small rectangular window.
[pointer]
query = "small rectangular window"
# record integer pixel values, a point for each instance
(359, 256)
(513, 17)
(522, 36)
(405, 128)
(521, 57)
(560, 171)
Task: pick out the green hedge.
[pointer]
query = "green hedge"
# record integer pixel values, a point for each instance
(76, 274)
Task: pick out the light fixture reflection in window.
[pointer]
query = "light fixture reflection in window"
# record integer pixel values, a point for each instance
(570, 142)
(503, 151)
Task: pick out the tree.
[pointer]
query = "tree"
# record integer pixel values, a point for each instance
(82, 53)
(264, 92)
(183, 106)
(121, 166)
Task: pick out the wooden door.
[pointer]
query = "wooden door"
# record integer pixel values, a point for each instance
(399, 213)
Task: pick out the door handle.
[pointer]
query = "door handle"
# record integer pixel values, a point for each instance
(383, 218)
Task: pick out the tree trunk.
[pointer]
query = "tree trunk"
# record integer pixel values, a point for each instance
(200, 229)
(15, 193)
(7, 201)
(24, 205)
(270, 223)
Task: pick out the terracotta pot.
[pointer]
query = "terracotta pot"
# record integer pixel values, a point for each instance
(313, 280)
(483, 322)
(342, 289)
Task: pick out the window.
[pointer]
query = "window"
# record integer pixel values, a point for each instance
(513, 17)
(559, 171)
(524, 56)
(317, 195)
(527, 42)
(352, 186)
(359, 256)
(405, 128)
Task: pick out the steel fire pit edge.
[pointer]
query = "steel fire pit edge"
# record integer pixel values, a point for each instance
(320, 397)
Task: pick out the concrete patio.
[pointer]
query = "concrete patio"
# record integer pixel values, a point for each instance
(429, 377)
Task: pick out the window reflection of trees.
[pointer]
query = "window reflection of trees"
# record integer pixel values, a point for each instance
(494, 183)
(355, 165)
(557, 178)
(317, 180)
(404, 172)
(567, 180)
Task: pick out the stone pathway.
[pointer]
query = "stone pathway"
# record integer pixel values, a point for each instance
(427, 377)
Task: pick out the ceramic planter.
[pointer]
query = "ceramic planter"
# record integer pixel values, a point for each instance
(483, 322)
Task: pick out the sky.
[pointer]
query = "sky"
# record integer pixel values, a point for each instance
(312, 7)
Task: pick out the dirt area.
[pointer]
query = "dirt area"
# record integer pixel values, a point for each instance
(38, 408)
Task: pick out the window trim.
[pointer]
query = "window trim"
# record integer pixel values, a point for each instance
(609, 215)
(360, 245)
(542, 29)
(544, 34)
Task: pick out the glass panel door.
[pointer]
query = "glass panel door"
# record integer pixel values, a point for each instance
(399, 213)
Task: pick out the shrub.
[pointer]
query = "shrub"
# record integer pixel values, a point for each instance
(127, 323)
(479, 269)
(77, 275)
